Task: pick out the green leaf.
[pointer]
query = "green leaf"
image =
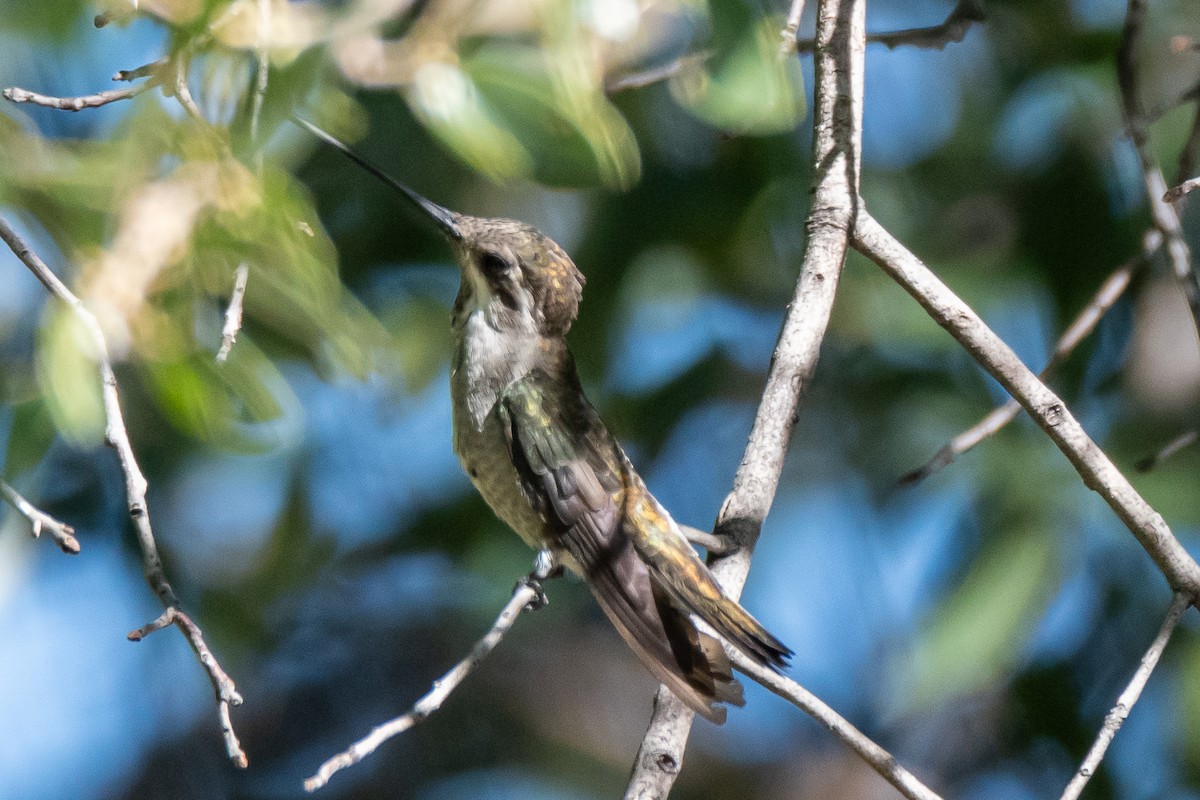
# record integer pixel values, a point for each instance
(31, 435)
(573, 135)
(750, 89)
(977, 634)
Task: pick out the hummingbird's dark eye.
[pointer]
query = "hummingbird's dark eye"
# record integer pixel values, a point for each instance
(492, 265)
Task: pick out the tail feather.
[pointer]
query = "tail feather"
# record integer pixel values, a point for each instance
(689, 662)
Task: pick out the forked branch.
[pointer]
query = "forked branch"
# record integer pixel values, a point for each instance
(62, 533)
(117, 436)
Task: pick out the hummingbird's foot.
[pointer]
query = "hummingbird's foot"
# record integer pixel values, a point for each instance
(544, 568)
(718, 545)
(540, 600)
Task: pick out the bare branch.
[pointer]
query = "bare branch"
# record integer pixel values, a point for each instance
(1117, 716)
(1174, 446)
(233, 314)
(648, 77)
(181, 91)
(963, 16)
(1177, 193)
(1161, 212)
(837, 125)
(135, 491)
(879, 759)
(60, 532)
(18, 95)
(527, 595)
(1110, 291)
(1046, 408)
(264, 68)
(144, 71)
(791, 31)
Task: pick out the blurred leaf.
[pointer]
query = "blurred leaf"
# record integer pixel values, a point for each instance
(749, 89)
(30, 437)
(228, 405)
(448, 102)
(294, 288)
(68, 378)
(978, 632)
(573, 135)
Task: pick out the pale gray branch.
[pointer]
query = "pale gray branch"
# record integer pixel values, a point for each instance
(879, 759)
(264, 67)
(527, 594)
(962, 17)
(60, 532)
(1109, 292)
(1120, 712)
(233, 314)
(1177, 193)
(1046, 408)
(837, 123)
(135, 491)
(791, 30)
(1161, 211)
(19, 95)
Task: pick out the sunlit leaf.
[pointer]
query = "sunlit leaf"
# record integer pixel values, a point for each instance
(447, 100)
(243, 404)
(574, 136)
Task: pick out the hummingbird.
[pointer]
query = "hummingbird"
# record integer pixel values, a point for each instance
(538, 452)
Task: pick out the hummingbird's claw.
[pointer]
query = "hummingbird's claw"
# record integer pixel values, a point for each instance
(540, 600)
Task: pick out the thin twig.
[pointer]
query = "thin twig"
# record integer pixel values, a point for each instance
(144, 71)
(181, 90)
(837, 125)
(117, 437)
(879, 759)
(264, 68)
(791, 31)
(1161, 212)
(1110, 291)
(527, 594)
(1046, 408)
(963, 16)
(233, 314)
(1177, 193)
(1117, 716)
(647, 77)
(19, 95)
(60, 532)
(1174, 446)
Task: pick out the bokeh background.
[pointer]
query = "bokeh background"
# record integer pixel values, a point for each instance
(312, 514)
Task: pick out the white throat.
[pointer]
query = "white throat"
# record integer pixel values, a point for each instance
(491, 358)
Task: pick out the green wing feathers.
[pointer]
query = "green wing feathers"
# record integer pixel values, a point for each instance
(645, 576)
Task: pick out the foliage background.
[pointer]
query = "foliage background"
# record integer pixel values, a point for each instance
(316, 522)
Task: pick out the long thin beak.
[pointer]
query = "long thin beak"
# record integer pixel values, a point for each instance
(445, 219)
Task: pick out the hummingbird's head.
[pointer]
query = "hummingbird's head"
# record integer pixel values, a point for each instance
(516, 275)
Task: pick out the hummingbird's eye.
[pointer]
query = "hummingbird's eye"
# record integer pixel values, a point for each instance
(492, 265)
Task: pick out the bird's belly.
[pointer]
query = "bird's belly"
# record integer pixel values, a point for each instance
(485, 458)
